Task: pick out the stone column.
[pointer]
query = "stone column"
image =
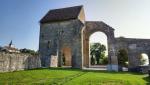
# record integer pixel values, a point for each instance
(59, 58)
(112, 58)
(60, 36)
(86, 59)
(77, 53)
(134, 60)
(112, 54)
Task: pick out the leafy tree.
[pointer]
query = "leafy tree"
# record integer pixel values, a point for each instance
(97, 50)
(104, 59)
(28, 51)
(122, 57)
(92, 60)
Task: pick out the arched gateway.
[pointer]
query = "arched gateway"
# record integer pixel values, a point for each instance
(67, 28)
(95, 26)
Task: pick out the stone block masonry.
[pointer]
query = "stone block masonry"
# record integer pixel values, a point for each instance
(18, 61)
(64, 36)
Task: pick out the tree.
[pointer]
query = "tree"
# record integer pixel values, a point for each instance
(92, 60)
(97, 50)
(122, 57)
(104, 60)
(29, 51)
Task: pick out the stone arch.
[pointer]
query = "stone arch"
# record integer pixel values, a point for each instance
(143, 67)
(144, 56)
(95, 26)
(135, 62)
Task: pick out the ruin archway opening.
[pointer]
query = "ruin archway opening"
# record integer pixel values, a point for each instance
(98, 50)
(123, 60)
(144, 59)
(66, 57)
(96, 26)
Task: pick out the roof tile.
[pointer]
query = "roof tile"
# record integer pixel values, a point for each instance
(61, 14)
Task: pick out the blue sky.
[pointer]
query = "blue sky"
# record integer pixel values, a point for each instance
(19, 19)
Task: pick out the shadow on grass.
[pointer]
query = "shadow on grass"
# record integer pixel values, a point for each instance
(147, 79)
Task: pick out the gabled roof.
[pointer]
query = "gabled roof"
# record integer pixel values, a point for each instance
(61, 14)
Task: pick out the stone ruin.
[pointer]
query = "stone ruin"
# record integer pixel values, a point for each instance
(64, 34)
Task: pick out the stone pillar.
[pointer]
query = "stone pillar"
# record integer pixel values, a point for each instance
(112, 58)
(134, 61)
(86, 58)
(77, 53)
(112, 54)
(59, 55)
(59, 43)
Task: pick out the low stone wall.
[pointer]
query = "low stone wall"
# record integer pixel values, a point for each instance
(18, 61)
(144, 69)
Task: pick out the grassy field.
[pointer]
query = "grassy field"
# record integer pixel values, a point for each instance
(59, 76)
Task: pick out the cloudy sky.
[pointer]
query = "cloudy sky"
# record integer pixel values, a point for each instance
(19, 19)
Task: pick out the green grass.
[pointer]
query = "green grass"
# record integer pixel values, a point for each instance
(60, 76)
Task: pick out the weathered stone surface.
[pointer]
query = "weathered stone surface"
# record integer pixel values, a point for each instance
(15, 62)
(60, 35)
(54, 61)
(74, 34)
(94, 26)
(135, 48)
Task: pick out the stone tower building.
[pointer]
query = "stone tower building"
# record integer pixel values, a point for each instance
(60, 33)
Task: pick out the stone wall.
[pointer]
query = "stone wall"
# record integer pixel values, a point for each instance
(17, 61)
(56, 36)
(135, 47)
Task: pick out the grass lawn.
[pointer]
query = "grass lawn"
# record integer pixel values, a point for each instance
(60, 76)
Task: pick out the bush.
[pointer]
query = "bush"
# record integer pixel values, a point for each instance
(122, 57)
(105, 60)
(29, 51)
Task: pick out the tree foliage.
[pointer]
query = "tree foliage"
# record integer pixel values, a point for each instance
(29, 51)
(97, 50)
(122, 57)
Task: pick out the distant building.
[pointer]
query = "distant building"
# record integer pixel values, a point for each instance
(10, 48)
